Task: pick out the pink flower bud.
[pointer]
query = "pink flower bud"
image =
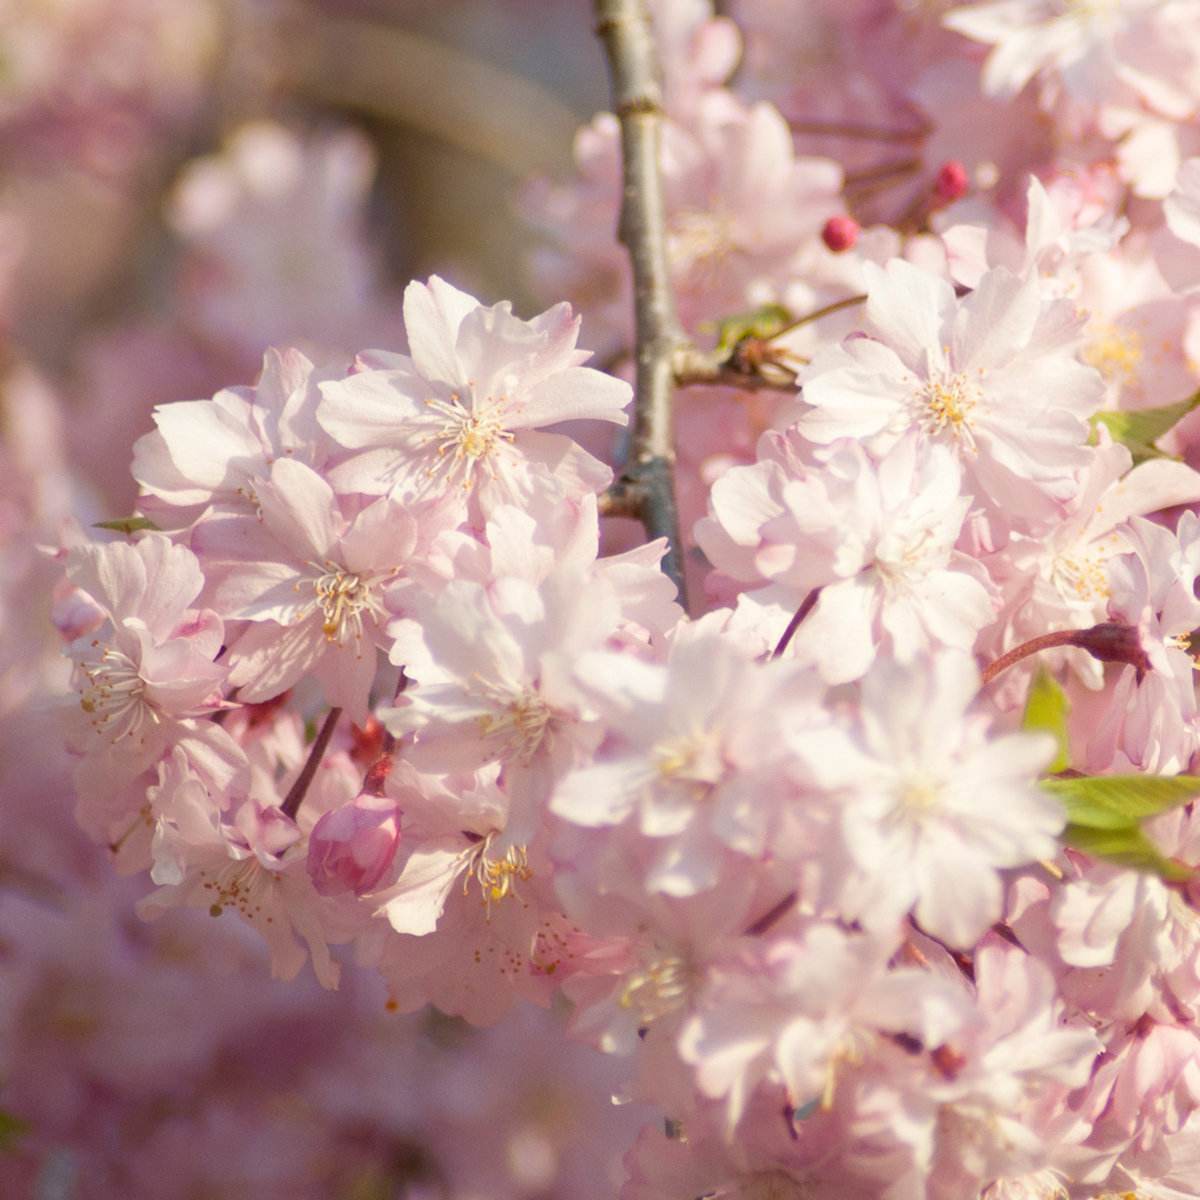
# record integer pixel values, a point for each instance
(351, 847)
(840, 233)
(951, 182)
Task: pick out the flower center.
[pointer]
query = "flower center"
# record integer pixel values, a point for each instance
(917, 797)
(1081, 576)
(1088, 9)
(523, 721)
(1115, 352)
(497, 877)
(343, 597)
(700, 240)
(114, 695)
(946, 402)
(692, 758)
(659, 988)
(235, 886)
(903, 560)
(467, 436)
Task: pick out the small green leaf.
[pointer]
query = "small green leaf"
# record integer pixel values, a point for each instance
(126, 524)
(1121, 801)
(1046, 709)
(763, 322)
(1139, 430)
(1127, 847)
(11, 1129)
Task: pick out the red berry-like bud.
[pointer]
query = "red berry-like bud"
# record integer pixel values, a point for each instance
(840, 233)
(952, 182)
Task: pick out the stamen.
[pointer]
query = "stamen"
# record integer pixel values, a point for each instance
(497, 877)
(114, 696)
(946, 402)
(467, 437)
(343, 597)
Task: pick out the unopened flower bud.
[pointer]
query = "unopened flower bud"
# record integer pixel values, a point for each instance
(350, 848)
(840, 233)
(951, 182)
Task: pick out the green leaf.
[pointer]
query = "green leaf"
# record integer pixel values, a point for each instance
(11, 1129)
(126, 524)
(1127, 847)
(763, 322)
(1141, 429)
(1046, 709)
(1121, 801)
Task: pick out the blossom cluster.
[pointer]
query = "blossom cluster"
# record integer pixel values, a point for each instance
(369, 671)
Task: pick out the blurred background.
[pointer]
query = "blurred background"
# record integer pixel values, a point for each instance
(182, 184)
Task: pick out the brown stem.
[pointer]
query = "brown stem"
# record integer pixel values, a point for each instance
(825, 310)
(1046, 641)
(773, 914)
(296, 793)
(647, 483)
(693, 366)
(861, 132)
(1109, 642)
(806, 606)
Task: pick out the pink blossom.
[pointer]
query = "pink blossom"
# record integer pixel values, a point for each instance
(992, 377)
(878, 540)
(1154, 722)
(310, 582)
(930, 808)
(218, 452)
(461, 415)
(350, 848)
(694, 754)
(150, 665)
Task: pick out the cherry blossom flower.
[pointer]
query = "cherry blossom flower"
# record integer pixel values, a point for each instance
(310, 582)
(461, 415)
(1153, 722)
(493, 674)
(930, 807)
(877, 540)
(218, 452)
(1060, 580)
(801, 1009)
(693, 767)
(150, 666)
(963, 374)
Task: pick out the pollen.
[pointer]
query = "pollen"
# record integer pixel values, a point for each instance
(1081, 576)
(660, 987)
(498, 877)
(114, 696)
(946, 403)
(468, 436)
(523, 719)
(701, 240)
(1115, 352)
(693, 757)
(343, 597)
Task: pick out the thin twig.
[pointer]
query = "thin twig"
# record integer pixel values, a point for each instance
(695, 366)
(806, 606)
(826, 310)
(863, 132)
(295, 797)
(646, 485)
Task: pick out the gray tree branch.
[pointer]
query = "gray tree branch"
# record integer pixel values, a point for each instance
(646, 486)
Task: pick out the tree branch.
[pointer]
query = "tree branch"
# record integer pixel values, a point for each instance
(646, 487)
(298, 790)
